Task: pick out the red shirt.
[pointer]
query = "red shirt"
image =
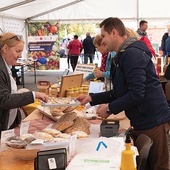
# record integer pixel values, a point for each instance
(148, 44)
(74, 47)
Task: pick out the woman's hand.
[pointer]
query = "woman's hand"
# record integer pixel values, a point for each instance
(98, 73)
(41, 96)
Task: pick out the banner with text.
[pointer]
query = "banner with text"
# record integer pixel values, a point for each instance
(45, 55)
(44, 45)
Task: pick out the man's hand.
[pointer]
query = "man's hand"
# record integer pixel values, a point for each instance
(101, 111)
(84, 98)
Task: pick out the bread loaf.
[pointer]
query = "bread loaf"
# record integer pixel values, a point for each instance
(80, 124)
(53, 132)
(65, 121)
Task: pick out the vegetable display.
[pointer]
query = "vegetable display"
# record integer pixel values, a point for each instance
(42, 28)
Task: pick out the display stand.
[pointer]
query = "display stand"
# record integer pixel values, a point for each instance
(70, 81)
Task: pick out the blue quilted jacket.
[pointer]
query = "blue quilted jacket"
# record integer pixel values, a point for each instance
(136, 89)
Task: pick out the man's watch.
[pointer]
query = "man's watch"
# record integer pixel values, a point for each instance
(108, 110)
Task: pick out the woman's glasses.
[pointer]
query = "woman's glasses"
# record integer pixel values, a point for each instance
(18, 37)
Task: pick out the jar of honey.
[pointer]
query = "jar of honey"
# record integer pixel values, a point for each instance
(80, 90)
(76, 91)
(70, 92)
(53, 91)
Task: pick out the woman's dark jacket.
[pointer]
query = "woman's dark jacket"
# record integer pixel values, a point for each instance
(136, 89)
(7, 100)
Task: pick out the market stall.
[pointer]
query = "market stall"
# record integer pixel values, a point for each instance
(9, 160)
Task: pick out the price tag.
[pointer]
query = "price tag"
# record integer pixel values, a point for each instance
(72, 143)
(24, 128)
(52, 163)
(4, 136)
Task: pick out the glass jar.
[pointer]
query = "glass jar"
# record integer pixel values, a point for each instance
(70, 92)
(80, 90)
(76, 91)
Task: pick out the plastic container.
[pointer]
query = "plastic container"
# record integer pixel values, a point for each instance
(127, 159)
(109, 128)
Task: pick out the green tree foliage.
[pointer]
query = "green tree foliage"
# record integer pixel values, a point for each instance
(78, 29)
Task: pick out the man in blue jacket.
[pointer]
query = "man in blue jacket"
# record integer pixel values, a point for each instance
(136, 90)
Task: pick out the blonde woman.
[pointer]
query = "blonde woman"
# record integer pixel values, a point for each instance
(11, 48)
(104, 70)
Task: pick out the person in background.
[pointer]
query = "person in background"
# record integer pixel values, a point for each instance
(131, 33)
(143, 26)
(66, 50)
(89, 48)
(15, 75)
(167, 45)
(74, 47)
(163, 42)
(167, 50)
(101, 71)
(136, 90)
(11, 47)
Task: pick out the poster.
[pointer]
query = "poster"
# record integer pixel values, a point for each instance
(40, 50)
(43, 45)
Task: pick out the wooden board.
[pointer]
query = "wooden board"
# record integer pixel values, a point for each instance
(69, 81)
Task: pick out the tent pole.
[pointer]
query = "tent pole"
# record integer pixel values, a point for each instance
(15, 5)
(55, 9)
(137, 12)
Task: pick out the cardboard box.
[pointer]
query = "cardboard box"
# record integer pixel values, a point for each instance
(43, 86)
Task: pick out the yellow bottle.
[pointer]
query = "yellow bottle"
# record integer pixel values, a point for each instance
(127, 160)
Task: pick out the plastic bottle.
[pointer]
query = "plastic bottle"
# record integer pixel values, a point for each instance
(127, 160)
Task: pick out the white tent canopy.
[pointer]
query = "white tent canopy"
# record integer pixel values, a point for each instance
(85, 10)
(14, 14)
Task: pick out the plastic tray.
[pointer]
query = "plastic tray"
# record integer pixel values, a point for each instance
(73, 102)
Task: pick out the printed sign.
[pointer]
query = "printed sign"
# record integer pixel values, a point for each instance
(46, 52)
(86, 69)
